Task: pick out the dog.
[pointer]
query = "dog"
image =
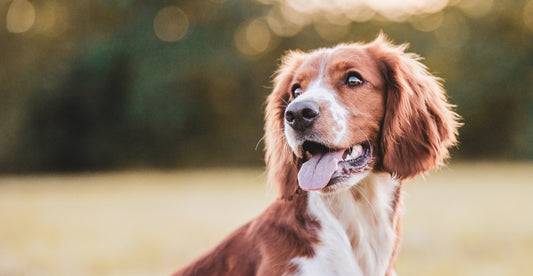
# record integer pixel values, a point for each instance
(345, 127)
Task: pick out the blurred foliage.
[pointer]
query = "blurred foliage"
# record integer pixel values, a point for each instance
(94, 85)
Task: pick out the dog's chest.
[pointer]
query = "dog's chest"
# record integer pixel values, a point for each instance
(357, 234)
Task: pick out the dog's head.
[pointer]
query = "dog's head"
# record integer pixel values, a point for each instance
(337, 114)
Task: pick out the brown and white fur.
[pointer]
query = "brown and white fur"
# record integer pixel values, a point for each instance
(390, 117)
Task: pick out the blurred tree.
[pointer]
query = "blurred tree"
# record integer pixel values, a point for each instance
(90, 86)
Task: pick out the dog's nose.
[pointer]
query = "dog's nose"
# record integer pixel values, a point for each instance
(301, 115)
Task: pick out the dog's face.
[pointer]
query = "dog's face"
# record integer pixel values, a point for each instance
(337, 114)
(335, 111)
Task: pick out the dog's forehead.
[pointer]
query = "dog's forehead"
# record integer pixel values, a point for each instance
(355, 57)
(342, 58)
(348, 55)
(312, 64)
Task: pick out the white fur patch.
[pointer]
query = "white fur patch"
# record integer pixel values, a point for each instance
(357, 236)
(317, 91)
(334, 255)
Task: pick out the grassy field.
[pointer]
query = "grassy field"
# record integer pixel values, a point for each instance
(466, 219)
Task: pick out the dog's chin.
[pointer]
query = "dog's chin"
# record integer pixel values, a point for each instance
(351, 166)
(341, 184)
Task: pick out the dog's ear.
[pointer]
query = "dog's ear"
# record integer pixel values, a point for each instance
(419, 124)
(281, 163)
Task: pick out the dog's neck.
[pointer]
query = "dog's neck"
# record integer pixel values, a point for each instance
(362, 222)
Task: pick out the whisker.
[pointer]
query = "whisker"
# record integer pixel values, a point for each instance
(258, 142)
(281, 140)
(264, 136)
(287, 103)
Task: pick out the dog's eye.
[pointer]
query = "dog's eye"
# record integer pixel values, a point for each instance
(354, 79)
(296, 90)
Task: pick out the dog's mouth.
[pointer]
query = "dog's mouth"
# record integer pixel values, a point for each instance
(326, 166)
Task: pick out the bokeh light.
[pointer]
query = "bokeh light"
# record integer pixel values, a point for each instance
(360, 13)
(253, 37)
(282, 24)
(171, 24)
(338, 12)
(476, 8)
(52, 19)
(20, 16)
(330, 32)
(454, 32)
(427, 22)
(401, 10)
(331, 20)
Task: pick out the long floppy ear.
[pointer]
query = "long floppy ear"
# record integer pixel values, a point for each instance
(281, 163)
(419, 124)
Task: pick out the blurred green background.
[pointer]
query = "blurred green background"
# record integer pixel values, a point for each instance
(104, 85)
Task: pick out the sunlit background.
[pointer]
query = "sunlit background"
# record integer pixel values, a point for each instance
(130, 131)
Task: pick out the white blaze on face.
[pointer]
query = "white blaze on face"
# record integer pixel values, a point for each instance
(320, 93)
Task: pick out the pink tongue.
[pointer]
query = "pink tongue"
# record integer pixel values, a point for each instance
(317, 171)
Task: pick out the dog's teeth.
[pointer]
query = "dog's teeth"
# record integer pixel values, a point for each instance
(352, 153)
(356, 151)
